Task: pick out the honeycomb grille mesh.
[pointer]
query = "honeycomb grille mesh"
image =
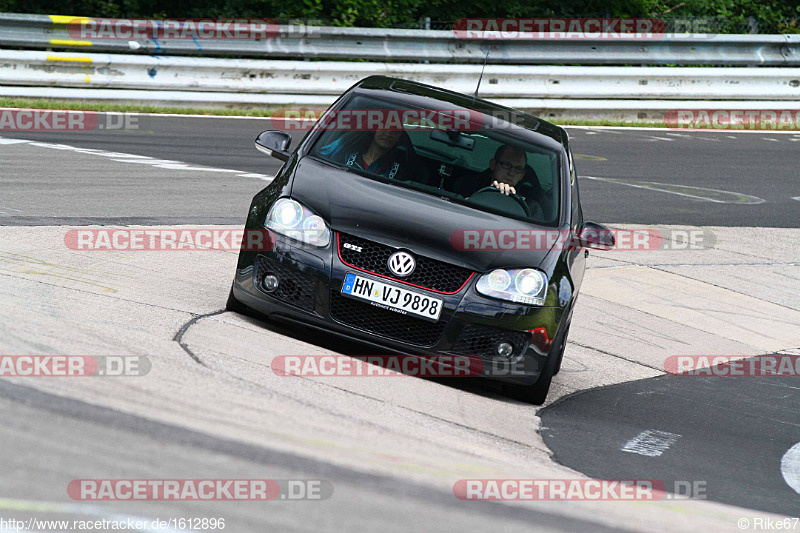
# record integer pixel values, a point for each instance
(429, 273)
(294, 287)
(389, 324)
(481, 341)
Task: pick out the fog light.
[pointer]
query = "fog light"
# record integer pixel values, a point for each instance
(270, 283)
(504, 349)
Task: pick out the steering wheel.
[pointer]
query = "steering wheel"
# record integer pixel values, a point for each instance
(519, 200)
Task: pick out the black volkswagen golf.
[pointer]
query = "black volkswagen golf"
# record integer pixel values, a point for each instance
(425, 222)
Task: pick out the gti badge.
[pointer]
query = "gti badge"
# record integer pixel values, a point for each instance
(402, 264)
(352, 247)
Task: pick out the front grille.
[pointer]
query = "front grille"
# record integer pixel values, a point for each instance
(389, 324)
(429, 273)
(294, 287)
(481, 341)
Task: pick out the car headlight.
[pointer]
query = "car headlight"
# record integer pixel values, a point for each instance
(525, 286)
(289, 218)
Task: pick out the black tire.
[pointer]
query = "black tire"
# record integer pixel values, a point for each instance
(536, 394)
(235, 305)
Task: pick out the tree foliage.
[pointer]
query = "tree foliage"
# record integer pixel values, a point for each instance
(729, 15)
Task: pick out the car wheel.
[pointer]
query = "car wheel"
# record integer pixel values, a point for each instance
(235, 305)
(536, 394)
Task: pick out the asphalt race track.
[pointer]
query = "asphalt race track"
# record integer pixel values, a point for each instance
(733, 432)
(392, 449)
(751, 176)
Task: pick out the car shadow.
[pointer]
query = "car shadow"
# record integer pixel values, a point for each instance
(479, 386)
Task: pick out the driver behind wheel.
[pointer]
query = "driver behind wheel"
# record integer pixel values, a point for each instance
(506, 170)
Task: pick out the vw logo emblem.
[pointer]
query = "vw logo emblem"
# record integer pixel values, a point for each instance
(402, 264)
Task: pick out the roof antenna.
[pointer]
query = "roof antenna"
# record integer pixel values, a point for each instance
(485, 59)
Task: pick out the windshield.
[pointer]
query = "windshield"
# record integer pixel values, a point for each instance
(446, 153)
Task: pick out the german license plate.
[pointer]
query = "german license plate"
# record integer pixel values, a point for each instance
(391, 297)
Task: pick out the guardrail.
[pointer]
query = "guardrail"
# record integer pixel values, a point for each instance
(627, 93)
(520, 73)
(247, 76)
(376, 44)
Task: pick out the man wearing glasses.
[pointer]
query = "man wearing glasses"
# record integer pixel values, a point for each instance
(506, 170)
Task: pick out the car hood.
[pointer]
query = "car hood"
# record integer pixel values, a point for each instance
(404, 218)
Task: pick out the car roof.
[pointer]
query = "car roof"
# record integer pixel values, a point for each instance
(417, 93)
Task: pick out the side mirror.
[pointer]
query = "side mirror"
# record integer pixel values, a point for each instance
(275, 143)
(596, 236)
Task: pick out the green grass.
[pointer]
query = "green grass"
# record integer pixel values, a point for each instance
(39, 103)
(243, 111)
(637, 124)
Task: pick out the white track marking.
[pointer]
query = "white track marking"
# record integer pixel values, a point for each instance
(603, 129)
(691, 136)
(671, 189)
(249, 175)
(769, 139)
(651, 443)
(790, 467)
(139, 159)
(4, 210)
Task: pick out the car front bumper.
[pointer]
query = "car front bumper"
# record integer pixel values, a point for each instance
(309, 292)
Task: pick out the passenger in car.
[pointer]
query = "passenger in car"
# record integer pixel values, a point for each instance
(387, 153)
(509, 172)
